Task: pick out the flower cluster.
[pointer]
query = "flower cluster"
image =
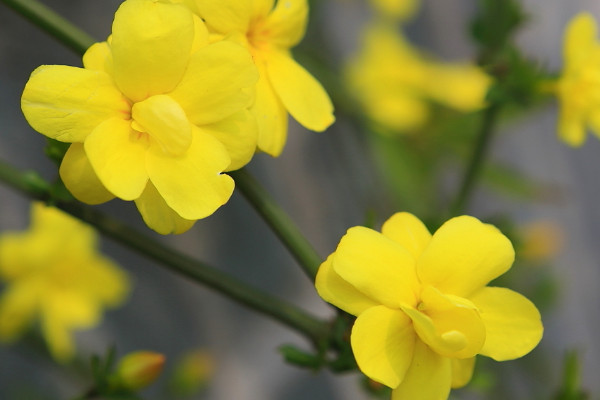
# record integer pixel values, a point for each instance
(54, 274)
(424, 310)
(169, 103)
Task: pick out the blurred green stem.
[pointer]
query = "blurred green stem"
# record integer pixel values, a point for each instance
(475, 165)
(52, 23)
(278, 221)
(30, 184)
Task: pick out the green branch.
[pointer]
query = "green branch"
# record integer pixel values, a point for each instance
(52, 23)
(278, 221)
(30, 184)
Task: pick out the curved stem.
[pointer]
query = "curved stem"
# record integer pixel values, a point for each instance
(278, 221)
(33, 186)
(475, 165)
(52, 23)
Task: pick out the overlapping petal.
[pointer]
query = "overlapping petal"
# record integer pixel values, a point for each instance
(301, 94)
(286, 24)
(512, 322)
(408, 231)
(68, 103)
(377, 266)
(98, 58)
(333, 289)
(210, 89)
(226, 15)
(151, 45)
(383, 342)
(462, 371)
(158, 215)
(192, 184)
(117, 154)
(464, 255)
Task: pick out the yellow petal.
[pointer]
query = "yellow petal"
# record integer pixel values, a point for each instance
(238, 133)
(165, 121)
(226, 16)
(580, 39)
(451, 326)
(68, 103)
(58, 338)
(192, 184)
(462, 371)
(428, 378)
(158, 215)
(261, 8)
(512, 322)
(460, 86)
(571, 125)
(376, 266)
(383, 341)
(151, 45)
(333, 289)
(211, 88)
(408, 231)
(104, 282)
(98, 58)
(301, 94)
(270, 115)
(464, 255)
(18, 306)
(200, 34)
(117, 155)
(72, 307)
(286, 24)
(79, 177)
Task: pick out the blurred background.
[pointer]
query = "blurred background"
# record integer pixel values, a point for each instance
(328, 182)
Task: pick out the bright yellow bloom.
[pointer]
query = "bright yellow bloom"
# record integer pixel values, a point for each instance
(578, 88)
(54, 273)
(269, 31)
(395, 82)
(396, 9)
(156, 115)
(424, 310)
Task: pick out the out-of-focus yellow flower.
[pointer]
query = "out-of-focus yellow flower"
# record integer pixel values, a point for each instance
(269, 30)
(54, 273)
(578, 88)
(139, 369)
(540, 241)
(156, 115)
(395, 82)
(396, 9)
(192, 373)
(424, 310)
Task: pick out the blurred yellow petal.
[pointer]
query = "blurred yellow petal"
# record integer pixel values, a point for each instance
(579, 40)
(68, 103)
(408, 231)
(151, 45)
(72, 308)
(105, 282)
(464, 255)
(462, 371)
(238, 133)
(226, 15)
(301, 94)
(118, 156)
(192, 184)
(571, 127)
(383, 342)
(400, 9)
(158, 215)
(60, 342)
(211, 88)
(428, 378)
(333, 289)
(79, 177)
(286, 24)
(460, 86)
(512, 322)
(377, 266)
(17, 310)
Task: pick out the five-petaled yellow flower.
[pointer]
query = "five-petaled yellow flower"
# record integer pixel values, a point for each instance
(269, 30)
(156, 115)
(395, 82)
(54, 273)
(424, 310)
(578, 88)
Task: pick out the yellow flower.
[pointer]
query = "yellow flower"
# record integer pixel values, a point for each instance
(395, 82)
(54, 273)
(424, 310)
(396, 9)
(156, 115)
(269, 31)
(578, 88)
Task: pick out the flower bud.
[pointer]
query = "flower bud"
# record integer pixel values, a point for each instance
(139, 369)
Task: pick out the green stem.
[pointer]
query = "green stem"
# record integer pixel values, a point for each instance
(475, 165)
(279, 222)
(33, 186)
(52, 23)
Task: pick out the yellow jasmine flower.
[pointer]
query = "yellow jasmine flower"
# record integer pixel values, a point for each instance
(54, 273)
(394, 82)
(578, 88)
(424, 310)
(396, 9)
(155, 116)
(269, 30)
